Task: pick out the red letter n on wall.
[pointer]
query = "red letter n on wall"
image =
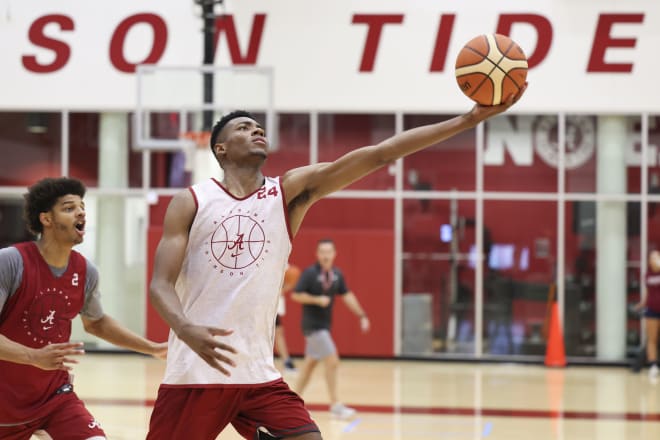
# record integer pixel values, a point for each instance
(225, 24)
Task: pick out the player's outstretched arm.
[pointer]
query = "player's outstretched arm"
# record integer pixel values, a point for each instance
(109, 329)
(168, 261)
(50, 357)
(303, 186)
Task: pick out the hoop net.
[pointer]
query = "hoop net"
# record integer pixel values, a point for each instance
(200, 138)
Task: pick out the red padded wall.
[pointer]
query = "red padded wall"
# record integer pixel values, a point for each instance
(365, 256)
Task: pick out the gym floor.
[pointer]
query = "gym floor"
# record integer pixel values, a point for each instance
(414, 400)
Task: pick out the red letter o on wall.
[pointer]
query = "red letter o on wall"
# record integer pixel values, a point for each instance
(117, 42)
(37, 37)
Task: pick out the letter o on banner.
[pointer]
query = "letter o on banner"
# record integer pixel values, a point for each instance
(119, 37)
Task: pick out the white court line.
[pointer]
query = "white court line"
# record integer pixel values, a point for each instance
(374, 425)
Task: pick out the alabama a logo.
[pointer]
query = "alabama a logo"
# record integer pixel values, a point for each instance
(45, 320)
(238, 242)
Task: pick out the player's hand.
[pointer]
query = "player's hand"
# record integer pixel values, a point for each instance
(159, 350)
(323, 301)
(365, 325)
(202, 340)
(482, 112)
(639, 306)
(56, 356)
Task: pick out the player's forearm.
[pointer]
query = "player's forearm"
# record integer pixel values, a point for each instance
(418, 138)
(166, 302)
(353, 304)
(108, 329)
(14, 352)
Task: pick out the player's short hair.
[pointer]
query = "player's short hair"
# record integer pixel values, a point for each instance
(217, 128)
(42, 196)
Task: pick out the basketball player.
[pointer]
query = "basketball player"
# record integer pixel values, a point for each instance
(43, 286)
(651, 306)
(218, 270)
(316, 290)
(291, 275)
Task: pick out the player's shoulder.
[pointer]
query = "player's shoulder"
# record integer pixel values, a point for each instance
(10, 256)
(210, 182)
(272, 180)
(91, 273)
(91, 267)
(185, 201)
(310, 270)
(10, 252)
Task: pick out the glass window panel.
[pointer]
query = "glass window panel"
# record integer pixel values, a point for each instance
(84, 147)
(84, 144)
(12, 225)
(115, 241)
(29, 146)
(292, 148)
(519, 268)
(583, 145)
(443, 166)
(169, 169)
(654, 156)
(589, 279)
(520, 153)
(342, 133)
(438, 277)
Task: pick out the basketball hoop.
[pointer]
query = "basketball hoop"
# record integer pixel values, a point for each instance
(200, 138)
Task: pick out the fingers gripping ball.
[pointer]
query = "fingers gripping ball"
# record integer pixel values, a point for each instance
(490, 68)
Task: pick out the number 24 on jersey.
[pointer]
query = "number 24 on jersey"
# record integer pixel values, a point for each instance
(262, 194)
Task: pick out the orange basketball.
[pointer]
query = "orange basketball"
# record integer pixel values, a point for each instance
(291, 276)
(490, 68)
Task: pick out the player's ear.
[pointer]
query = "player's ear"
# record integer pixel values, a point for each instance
(219, 149)
(45, 218)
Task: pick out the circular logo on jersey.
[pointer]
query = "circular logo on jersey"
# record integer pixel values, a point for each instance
(580, 140)
(46, 320)
(238, 242)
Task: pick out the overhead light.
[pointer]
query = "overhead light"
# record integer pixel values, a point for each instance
(37, 123)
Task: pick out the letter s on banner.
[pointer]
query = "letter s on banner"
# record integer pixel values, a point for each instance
(38, 38)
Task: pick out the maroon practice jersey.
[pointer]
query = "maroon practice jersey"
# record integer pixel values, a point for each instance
(653, 291)
(37, 314)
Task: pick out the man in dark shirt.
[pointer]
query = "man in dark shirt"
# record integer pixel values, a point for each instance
(316, 290)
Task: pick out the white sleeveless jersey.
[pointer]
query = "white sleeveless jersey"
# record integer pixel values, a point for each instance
(231, 279)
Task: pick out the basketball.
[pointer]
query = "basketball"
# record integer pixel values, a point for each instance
(490, 68)
(291, 276)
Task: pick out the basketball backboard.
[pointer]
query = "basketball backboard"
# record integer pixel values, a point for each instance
(170, 102)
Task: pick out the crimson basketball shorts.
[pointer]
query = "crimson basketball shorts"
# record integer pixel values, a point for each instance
(69, 420)
(183, 413)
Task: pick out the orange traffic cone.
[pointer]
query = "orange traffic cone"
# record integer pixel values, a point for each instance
(555, 355)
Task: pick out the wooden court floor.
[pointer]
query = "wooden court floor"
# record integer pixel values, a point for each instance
(406, 400)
